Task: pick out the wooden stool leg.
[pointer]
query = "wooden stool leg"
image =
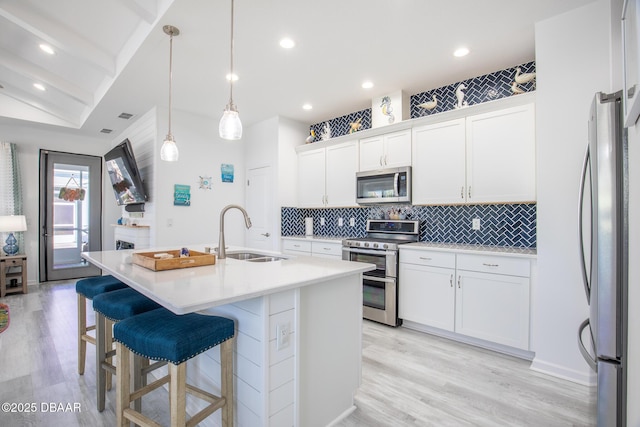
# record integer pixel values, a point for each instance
(101, 349)
(108, 340)
(178, 394)
(226, 383)
(139, 380)
(82, 330)
(123, 384)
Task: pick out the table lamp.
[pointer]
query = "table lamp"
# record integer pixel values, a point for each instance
(11, 224)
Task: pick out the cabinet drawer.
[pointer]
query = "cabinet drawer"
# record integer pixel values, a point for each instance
(322, 248)
(495, 264)
(296, 245)
(430, 258)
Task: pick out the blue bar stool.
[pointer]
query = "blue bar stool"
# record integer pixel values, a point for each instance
(87, 289)
(112, 307)
(163, 335)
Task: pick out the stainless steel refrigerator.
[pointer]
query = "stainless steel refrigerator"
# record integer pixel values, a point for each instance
(603, 243)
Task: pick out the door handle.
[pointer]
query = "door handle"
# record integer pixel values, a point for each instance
(265, 234)
(459, 282)
(585, 353)
(583, 263)
(451, 281)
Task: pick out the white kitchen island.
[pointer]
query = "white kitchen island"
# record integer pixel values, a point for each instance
(298, 329)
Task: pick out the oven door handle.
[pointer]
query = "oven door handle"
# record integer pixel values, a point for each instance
(367, 251)
(378, 279)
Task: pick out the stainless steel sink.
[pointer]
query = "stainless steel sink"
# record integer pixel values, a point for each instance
(244, 256)
(266, 259)
(253, 257)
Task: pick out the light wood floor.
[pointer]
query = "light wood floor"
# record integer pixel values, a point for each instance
(408, 379)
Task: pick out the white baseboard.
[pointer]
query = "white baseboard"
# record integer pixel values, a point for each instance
(588, 379)
(342, 416)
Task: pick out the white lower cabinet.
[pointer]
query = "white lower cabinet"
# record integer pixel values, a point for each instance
(480, 296)
(316, 248)
(427, 295)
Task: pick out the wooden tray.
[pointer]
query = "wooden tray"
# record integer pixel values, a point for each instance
(196, 259)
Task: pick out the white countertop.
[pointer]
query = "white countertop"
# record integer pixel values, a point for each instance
(473, 249)
(327, 239)
(192, 289)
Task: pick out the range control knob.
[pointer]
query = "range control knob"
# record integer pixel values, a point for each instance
(375, 245)
(357, 243)
(366, 245)
(385, 246)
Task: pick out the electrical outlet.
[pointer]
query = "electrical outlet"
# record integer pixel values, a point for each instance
(475, 224)
(169, 222)
(352, 222)
(321, 220)
(340, 222)
(282, 335)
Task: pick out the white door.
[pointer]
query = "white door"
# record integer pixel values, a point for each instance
(371, 153)
(439, 163)
(260, 207)
(397, 149)
(493, 307)
(427, 295)
(341, 168)
(311, 179)
(501, 153)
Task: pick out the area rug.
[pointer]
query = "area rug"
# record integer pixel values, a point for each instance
(4, 317)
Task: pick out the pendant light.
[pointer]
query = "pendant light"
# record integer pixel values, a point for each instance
(230, 125)
(169, 150)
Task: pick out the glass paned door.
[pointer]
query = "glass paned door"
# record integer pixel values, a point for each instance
(70, 217)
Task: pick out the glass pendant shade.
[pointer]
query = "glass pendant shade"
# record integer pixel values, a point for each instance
(230, 125)
(169, 150)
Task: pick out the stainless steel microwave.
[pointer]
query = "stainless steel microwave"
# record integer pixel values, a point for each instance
(384, 186)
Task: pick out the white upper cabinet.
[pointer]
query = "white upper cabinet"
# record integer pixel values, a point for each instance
(386, 151)
(485, 158)
(501, 156)
(311, 178)
(439, 163)
(327, 176)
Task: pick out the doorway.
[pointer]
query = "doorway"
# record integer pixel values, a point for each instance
(259, 202)
(70, 214)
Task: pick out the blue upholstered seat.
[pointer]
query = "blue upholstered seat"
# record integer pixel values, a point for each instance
(163, 335)
(92, 286)
(122, 303)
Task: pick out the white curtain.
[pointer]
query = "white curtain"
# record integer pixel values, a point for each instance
(10, 186)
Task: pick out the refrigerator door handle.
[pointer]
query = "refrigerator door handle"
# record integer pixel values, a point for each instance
(583, 263)
(585, 353)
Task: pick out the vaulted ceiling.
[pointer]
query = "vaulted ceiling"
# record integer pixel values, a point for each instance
(112, 57)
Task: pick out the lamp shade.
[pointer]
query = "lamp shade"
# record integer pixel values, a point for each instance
(169, 150)
(12, 223)
(230, 125)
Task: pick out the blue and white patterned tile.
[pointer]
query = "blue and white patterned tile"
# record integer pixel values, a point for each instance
(501, 225)
(477, 90)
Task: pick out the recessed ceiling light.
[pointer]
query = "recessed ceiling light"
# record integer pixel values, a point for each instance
(367, 85)
(46, 48)
(287, 43)
(463, 51)
(307, 107)
(233, 77)
(39, 86)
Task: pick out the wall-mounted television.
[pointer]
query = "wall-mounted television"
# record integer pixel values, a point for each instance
(124, 174)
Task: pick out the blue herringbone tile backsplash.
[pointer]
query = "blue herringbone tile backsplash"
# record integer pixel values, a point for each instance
(479, 89)
(501, 225)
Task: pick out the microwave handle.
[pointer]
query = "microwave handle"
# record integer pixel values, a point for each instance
(395, 184)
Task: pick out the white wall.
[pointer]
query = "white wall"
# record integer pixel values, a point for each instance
(272, 143)
(29, 139)
(573, 62)
(202, 152)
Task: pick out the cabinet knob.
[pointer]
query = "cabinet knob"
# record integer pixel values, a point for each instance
(266, 234)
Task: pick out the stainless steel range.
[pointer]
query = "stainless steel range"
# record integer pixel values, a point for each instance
(380, 247)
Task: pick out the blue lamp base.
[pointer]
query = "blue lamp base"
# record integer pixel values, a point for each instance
(11, 247)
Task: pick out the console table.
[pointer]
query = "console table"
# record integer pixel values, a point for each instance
(13, 269)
